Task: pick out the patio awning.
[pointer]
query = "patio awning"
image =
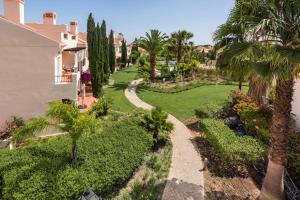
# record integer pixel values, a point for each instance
(75, 49)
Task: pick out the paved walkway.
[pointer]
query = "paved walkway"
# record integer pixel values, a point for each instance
(185, 181)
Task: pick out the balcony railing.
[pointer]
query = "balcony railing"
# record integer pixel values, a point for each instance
(66, 78)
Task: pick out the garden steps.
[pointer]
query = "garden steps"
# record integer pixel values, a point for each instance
(185, 180)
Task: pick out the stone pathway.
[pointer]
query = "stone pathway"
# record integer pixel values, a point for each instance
(185, 180)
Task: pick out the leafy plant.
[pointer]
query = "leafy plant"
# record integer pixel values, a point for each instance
(65, 116)
(233, 149)
(11, 126)
(101, 107)
(208, 111)
(42, 170)
(156, 123)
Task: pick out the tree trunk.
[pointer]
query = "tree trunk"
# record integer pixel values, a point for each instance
(259, 91)
(273, 183)
(152, 66)
(240, 85)
(74, 152)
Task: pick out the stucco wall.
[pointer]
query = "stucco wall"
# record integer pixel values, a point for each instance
(296, 104)
(27, 78)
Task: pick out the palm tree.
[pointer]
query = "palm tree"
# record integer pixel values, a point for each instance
(233, 34)
(273, 49)
(153, 44)
(67, 117)
(168, 51)
(181, 39)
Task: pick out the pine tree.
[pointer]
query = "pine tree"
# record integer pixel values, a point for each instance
(124, 54)
(112, 52)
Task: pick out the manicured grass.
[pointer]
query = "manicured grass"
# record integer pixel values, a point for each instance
(116, 92)
(183, 104)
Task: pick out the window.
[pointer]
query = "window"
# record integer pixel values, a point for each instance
(66, 36)
(73, 37)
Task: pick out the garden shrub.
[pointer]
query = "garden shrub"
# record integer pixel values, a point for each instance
(233, 149)
(256, 119)
(10, 126)
(208, 110)
(101, 107)
(42, 170)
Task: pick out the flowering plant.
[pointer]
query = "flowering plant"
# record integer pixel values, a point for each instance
(255, 118)
(10, 126)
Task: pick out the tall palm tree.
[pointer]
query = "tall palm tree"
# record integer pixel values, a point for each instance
(181, 39)
(153, 43)
(234, 34)
(168, 51)
(274, 31)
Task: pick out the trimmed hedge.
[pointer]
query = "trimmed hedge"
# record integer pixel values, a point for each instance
(178, 89)
(43, 170)
(233, 149)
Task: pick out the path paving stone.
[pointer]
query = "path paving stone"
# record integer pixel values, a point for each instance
(185, 180)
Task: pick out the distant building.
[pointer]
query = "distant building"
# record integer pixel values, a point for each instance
(39, 62)
(118, 45)
(205, 48)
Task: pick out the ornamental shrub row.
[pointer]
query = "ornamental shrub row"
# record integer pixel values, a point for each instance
(42, 170)
(232, 148)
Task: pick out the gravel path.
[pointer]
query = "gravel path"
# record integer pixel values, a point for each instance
(185, 180)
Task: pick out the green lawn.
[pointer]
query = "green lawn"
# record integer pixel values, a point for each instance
(116, 92)
(183, 104)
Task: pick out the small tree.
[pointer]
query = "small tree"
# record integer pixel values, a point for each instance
(156, 122)
(101, 107)
(67, 117)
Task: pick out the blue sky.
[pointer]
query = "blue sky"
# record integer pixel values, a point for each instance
(135, 17)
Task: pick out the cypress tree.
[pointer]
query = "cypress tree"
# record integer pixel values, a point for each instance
(99, 60)
(124, 54)
(92, 51)
(111, 52)
(106, 71)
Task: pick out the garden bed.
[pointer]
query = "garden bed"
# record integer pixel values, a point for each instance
(42, 170)
(177, 87)
(222, 181)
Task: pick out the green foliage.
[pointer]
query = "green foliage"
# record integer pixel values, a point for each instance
(11, 126)
(210, 110)
(124, 54)
(112, 52)
(43, 171)
(101, 107)
(232, 149)
(154, 163)
(156, 122)
(29, 129)
(256, 119)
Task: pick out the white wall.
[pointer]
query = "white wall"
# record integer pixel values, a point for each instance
(27, 77)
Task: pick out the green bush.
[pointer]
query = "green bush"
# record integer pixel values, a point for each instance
(42, 170)
(208, 110)
(232, 149)
(101, 107)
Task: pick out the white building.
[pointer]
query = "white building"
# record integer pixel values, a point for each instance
(39, 62)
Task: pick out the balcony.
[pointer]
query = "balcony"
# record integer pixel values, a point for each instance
(66, 78)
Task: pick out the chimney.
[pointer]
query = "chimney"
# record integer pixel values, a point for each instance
(14, 10)
(74, 27)
(50, 18)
